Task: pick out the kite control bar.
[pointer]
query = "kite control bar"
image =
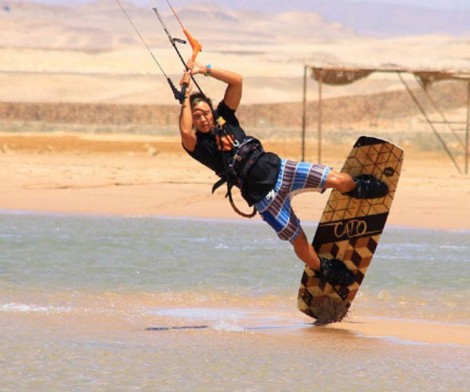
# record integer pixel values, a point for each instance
(178, 94)
(193, 42)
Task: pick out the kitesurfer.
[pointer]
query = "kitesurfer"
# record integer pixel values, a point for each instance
(267, 182)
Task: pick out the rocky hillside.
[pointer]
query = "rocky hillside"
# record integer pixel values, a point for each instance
(339, 113)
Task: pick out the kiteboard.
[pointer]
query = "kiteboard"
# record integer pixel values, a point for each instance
(350, 230)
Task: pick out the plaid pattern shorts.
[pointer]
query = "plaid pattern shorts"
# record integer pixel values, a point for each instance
(294, 177)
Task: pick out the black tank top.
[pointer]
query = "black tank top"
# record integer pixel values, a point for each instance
(262, 176)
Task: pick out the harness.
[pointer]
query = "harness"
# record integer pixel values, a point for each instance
(238, 158)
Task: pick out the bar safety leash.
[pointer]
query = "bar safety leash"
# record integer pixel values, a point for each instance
(179, 95)
(196, 47)
(221, 132)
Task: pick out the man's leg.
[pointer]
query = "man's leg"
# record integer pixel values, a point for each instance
(364, 186)
(305, 252)
(331, 270)
(342, 182)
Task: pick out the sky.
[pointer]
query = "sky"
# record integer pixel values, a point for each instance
(304, 4)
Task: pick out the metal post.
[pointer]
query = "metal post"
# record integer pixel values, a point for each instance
(467, 136)
(304, 114)
(431, 124)
(320, 113)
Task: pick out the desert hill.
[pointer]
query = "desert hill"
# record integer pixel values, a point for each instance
(100, 25)
(392, 111)
(83, 64)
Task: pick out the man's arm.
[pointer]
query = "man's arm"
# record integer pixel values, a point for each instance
(232, 98)
(234, 81)
(188, 135)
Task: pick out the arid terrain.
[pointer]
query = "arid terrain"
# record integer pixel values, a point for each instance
(89, 125)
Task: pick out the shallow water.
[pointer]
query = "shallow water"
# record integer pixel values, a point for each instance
(218, 300)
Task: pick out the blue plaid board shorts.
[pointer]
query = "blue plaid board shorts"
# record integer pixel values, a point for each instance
(293, 178)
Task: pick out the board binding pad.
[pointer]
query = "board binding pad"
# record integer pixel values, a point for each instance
(350, 230)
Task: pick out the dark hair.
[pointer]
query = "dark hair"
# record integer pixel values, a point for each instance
(197, 98)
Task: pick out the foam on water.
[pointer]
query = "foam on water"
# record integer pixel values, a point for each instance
(25, 308)
(197, 314)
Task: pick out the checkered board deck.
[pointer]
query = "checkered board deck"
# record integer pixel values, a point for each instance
(350, 230)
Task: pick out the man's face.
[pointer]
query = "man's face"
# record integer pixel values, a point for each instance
(203, 119)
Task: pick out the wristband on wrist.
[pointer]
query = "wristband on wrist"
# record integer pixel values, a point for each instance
(208, 70)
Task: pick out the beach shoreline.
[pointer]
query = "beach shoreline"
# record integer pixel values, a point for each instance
(128, 175)
(269, 316)
(144, 176)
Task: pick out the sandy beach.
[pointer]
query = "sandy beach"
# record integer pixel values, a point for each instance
(143, 175)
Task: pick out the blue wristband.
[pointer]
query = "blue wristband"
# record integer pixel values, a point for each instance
(208, 70)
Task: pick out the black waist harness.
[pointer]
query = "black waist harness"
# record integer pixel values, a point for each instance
(245, 156)
(237, 162)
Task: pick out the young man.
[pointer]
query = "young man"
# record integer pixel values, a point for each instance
(265, 180)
